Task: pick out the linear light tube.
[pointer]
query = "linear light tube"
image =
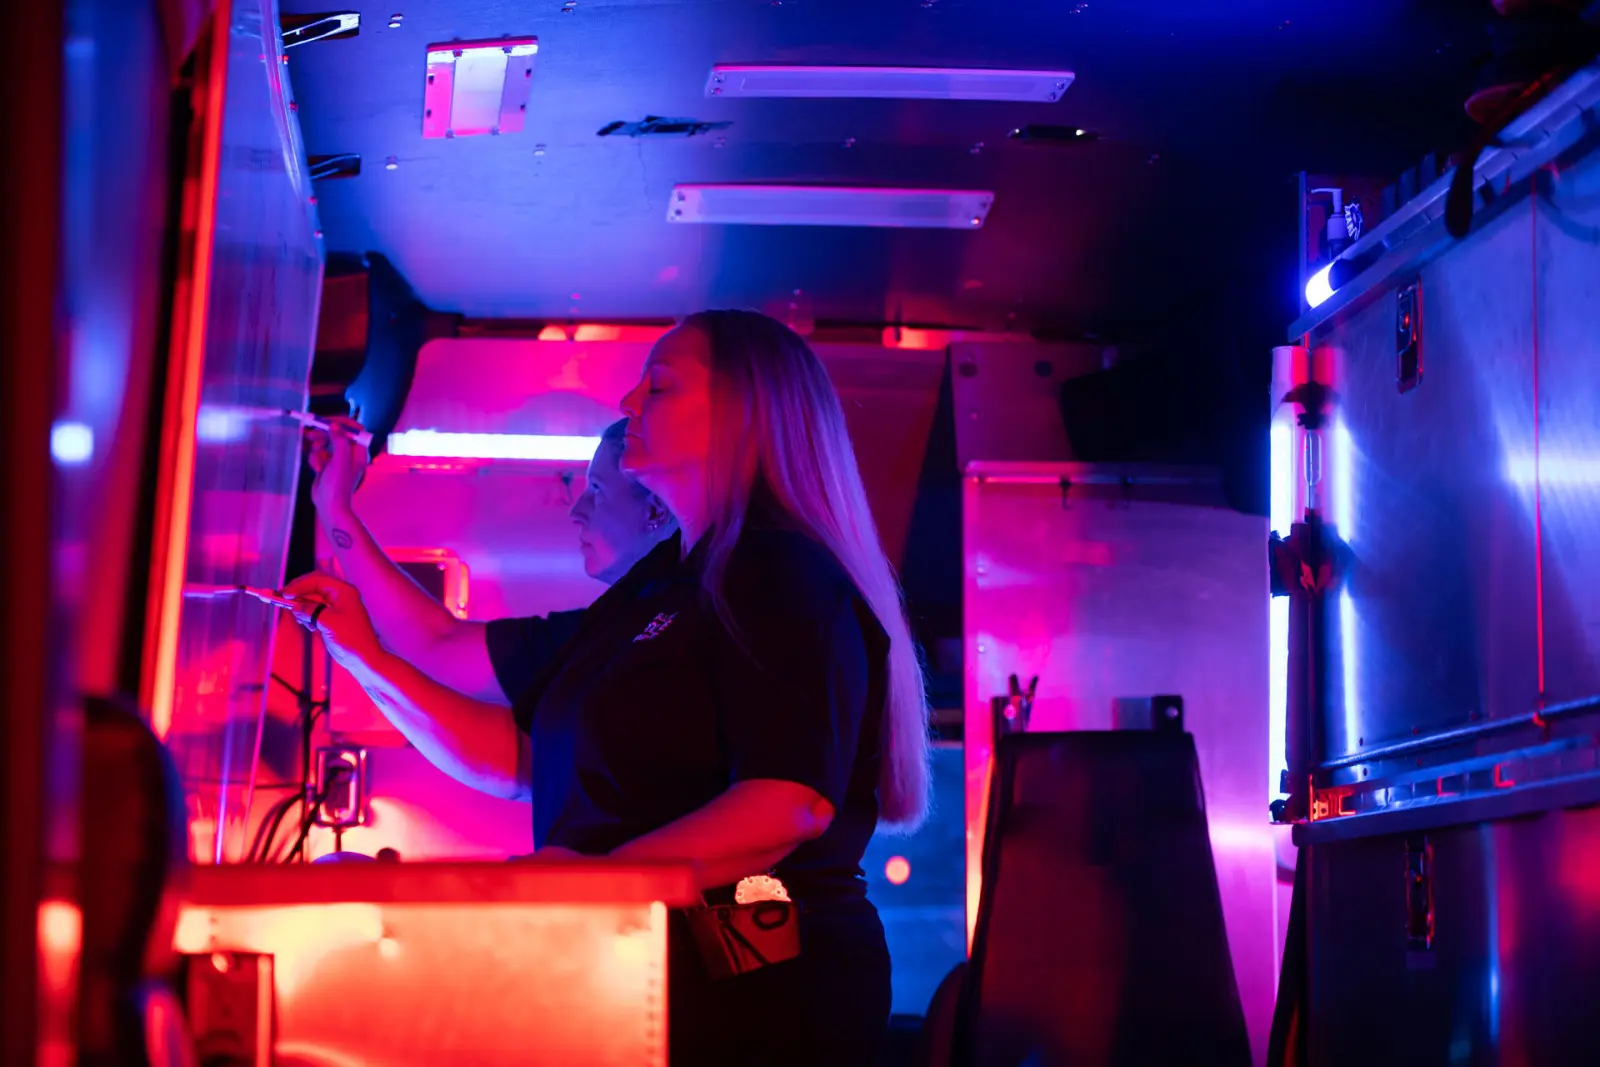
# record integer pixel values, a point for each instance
(822, 205)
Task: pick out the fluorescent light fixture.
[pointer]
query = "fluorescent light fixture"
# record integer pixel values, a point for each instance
(1349, 653)
(478, 87)
(892, 83)
(1282, 511)
(1320, 287)
(435, 444)
(823, 205)
(1281, 463)
(71, 443)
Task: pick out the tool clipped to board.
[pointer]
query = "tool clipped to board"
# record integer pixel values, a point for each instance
(221, 423)
(298, 607)
(314, 422)
(212, 592)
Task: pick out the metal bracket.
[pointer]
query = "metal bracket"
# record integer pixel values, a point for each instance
(478, 87)
(1419, 893)
(1408, 337)
(656, 126)
(1162, 712)
(304, 29)
(322, 168)
(1012, 711)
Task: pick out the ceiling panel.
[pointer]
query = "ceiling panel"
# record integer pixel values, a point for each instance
(1198, 107)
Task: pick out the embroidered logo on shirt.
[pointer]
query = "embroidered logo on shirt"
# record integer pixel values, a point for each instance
(657, 626)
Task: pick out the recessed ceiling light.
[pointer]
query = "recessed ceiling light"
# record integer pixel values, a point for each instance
(821, 205)
(900, 83)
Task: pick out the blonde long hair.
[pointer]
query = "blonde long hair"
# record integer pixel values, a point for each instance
(777, 422)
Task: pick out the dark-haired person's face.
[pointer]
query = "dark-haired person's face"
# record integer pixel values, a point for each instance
(613, 516)
(669, 413)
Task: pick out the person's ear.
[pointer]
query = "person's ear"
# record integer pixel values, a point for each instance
(657, 517)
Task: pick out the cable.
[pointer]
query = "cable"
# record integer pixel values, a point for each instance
(267, 832)
(261, 849)
(336, 772)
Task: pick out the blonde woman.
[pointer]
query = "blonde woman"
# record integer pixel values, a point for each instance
(747, 697)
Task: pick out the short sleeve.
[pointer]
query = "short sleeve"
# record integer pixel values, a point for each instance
(792, 679)
(519, 649)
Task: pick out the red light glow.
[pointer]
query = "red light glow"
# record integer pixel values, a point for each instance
(905, 337)
(592, 332)
(897, 870)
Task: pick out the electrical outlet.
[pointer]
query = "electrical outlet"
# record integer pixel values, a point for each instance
(341, 784)
(229, 1004)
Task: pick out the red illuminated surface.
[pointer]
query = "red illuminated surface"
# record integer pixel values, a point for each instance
(487, 964)
(921, 340)
(60, 938)
(60, 943)
(897, 870)
(586, 332)
(175, 482)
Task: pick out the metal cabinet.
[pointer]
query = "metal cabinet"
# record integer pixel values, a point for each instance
(1453, 900)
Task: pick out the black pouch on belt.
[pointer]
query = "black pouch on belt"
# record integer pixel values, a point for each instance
(735, 939)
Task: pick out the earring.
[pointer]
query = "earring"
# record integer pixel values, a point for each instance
(653, 525)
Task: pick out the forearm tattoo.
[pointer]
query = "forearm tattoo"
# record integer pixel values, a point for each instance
(340, 538)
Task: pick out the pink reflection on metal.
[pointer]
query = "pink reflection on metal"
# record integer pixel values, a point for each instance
(1107, 598)
(426, 815)
(521, 386)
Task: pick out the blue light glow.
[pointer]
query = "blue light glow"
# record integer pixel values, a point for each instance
(1282, 517)
(71, 443)
(1552, 470)
(1347, 652)
(1282, 477)
(1320, 287)
(221, 425)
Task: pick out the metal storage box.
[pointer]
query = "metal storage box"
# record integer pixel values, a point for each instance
(1466, 485)
(388, 965)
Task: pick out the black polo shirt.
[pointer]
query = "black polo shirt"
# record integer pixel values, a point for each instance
(655, 707)
(521, 649)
